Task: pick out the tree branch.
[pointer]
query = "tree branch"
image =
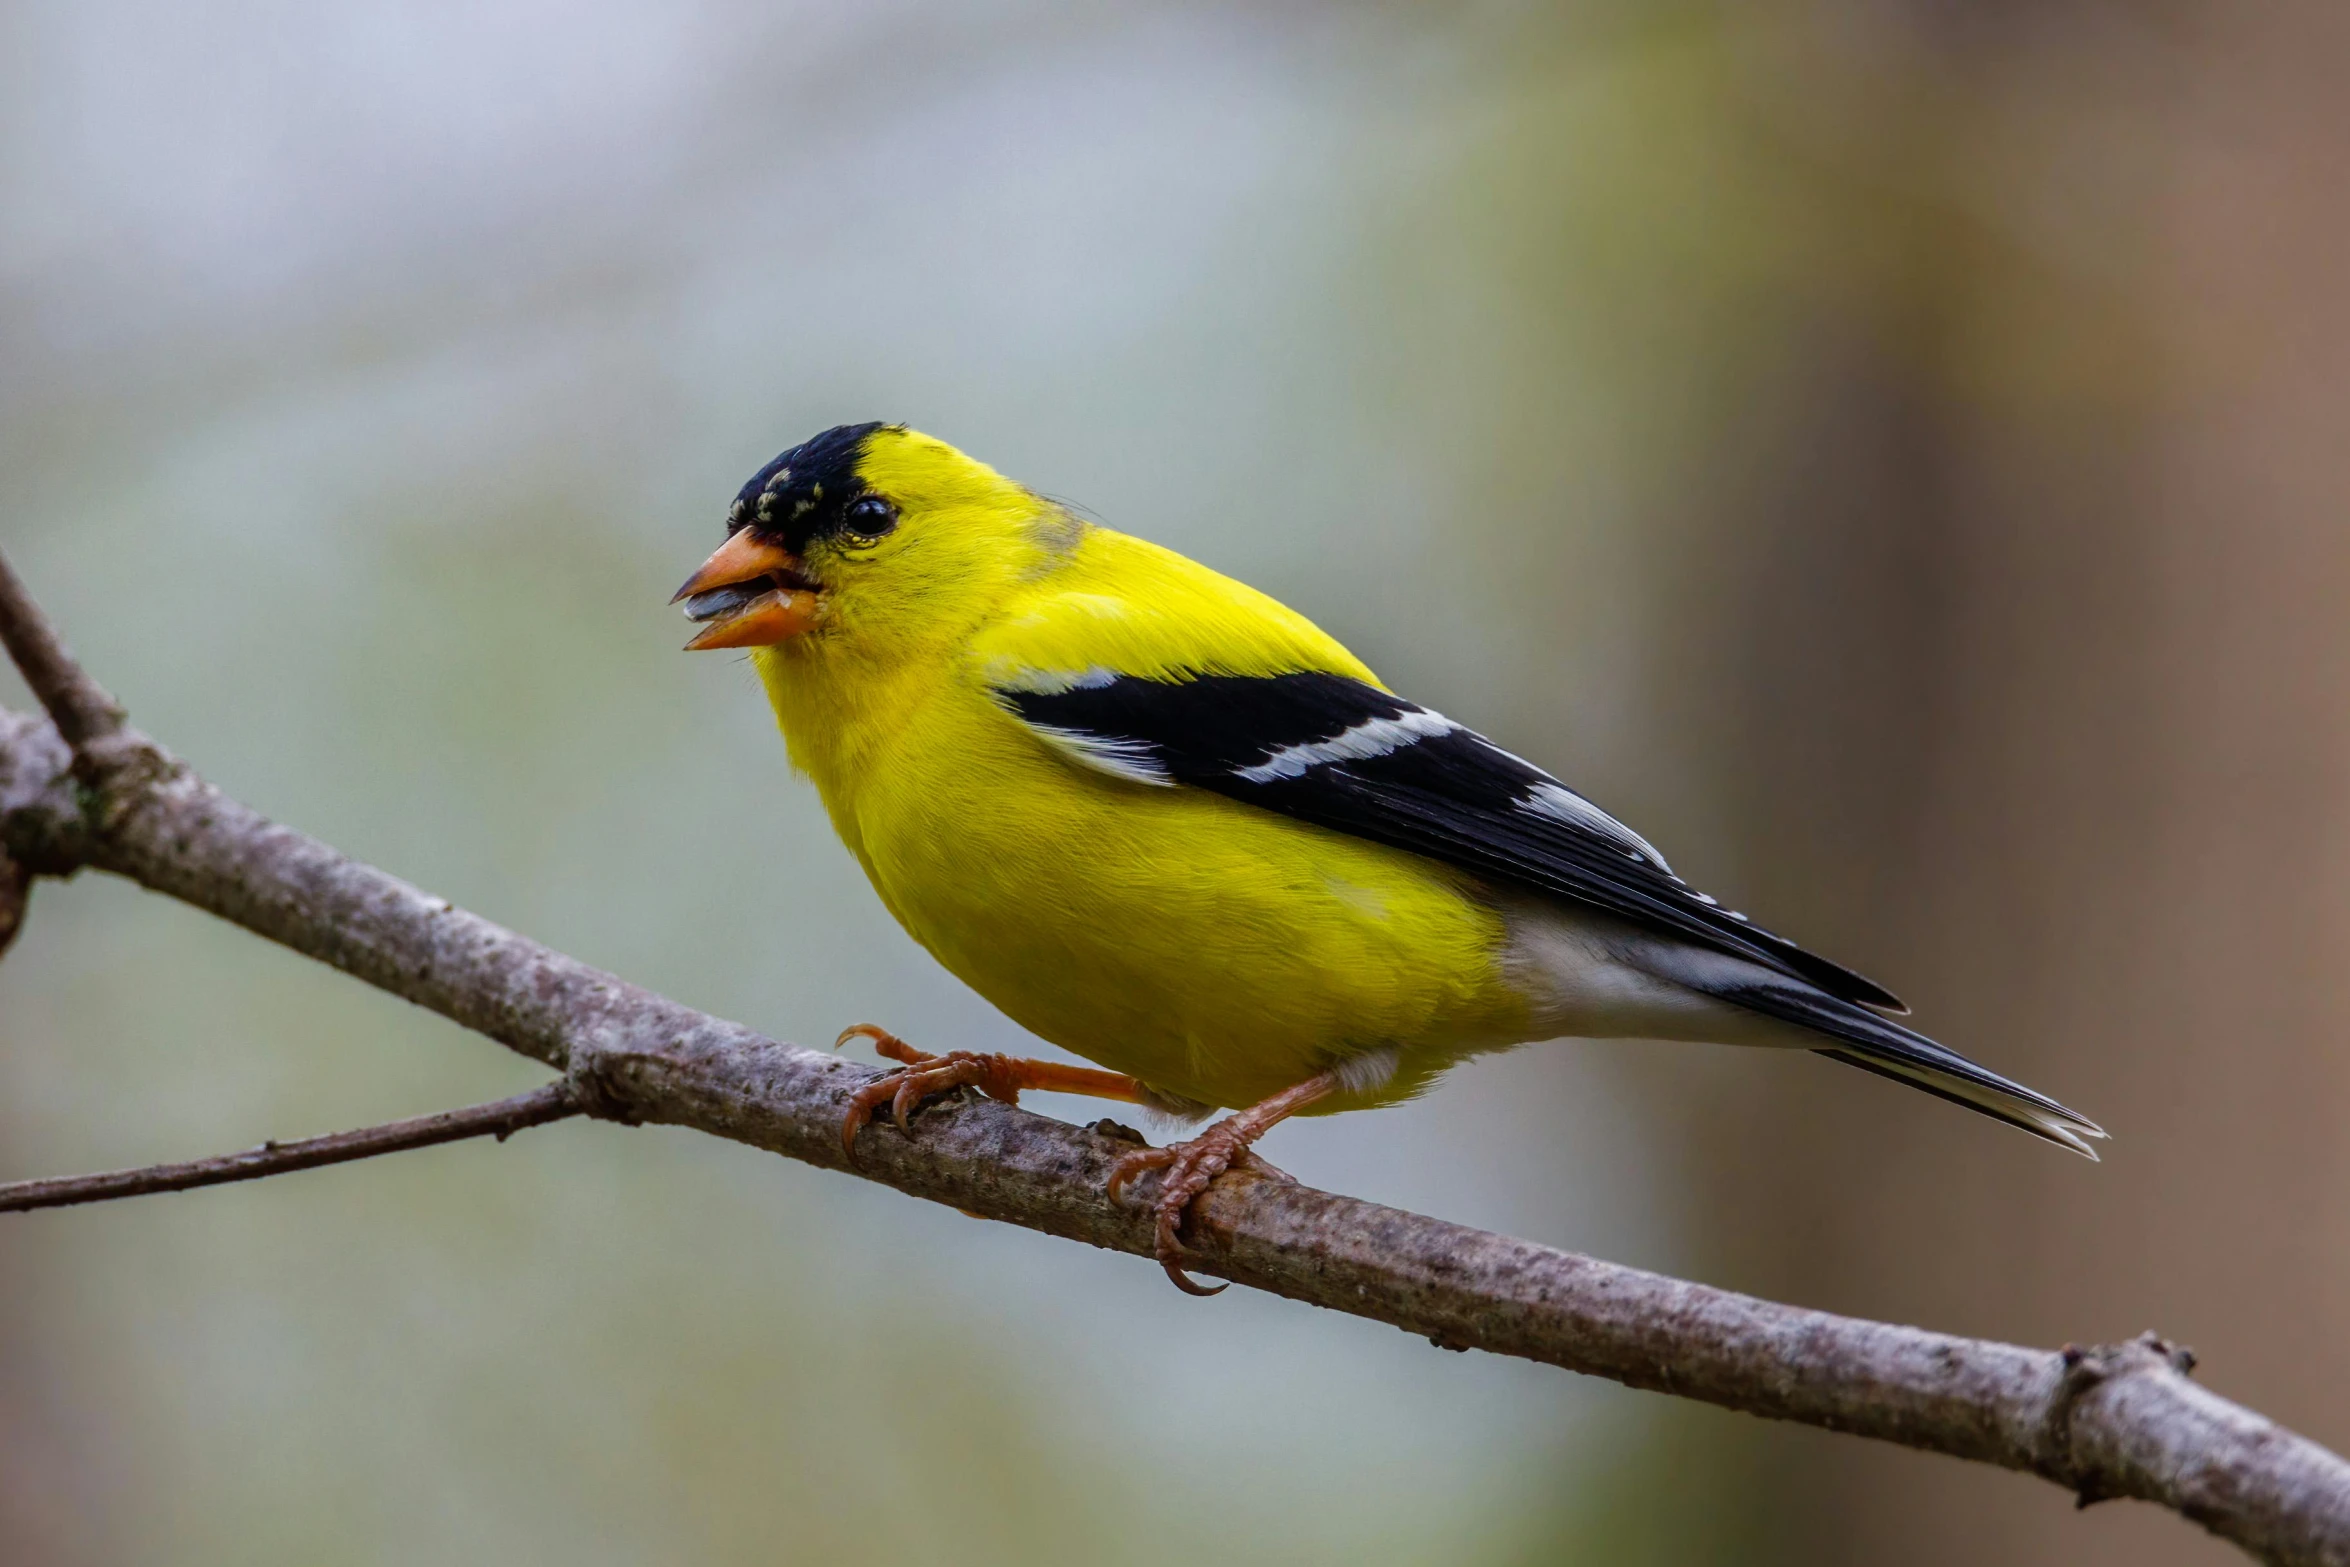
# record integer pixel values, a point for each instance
(78, 705)
(2121, 1421)
(550, 1102)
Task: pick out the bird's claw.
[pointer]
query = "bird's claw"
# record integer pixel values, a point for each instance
(884, 1042)
(924, 1076)
(1190, 1169)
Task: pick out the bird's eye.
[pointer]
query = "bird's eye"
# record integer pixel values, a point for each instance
(868, 518)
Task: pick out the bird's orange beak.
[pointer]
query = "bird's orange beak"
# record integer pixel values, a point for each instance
(749, 594)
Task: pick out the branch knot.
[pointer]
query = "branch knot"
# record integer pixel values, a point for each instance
(2086, 1370)
(593, 1075)
(118, 773)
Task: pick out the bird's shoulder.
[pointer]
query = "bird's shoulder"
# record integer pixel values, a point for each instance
(1118, 606)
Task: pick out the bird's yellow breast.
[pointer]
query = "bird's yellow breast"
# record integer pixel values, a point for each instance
(1210, 949)
(1213, 950)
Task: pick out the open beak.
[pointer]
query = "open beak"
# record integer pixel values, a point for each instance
(749, 594)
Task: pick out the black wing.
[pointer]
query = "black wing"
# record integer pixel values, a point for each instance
(1342, 754)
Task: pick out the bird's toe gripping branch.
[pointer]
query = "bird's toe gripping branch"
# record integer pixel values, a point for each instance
(925, 1076)
(1192, 1167)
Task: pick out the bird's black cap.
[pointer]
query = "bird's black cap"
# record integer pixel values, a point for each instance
(801, 494)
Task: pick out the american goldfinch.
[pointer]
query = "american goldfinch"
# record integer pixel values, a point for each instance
(1168, 824)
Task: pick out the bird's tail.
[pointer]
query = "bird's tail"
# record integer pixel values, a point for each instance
(1877, 1044)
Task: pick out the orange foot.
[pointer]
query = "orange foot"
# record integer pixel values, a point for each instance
(927, 1076)
(1192, 1167)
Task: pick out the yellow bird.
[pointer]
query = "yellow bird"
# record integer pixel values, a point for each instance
(1168, 824)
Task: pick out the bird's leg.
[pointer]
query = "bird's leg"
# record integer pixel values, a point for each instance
(925, 1076)
(1191, 1167)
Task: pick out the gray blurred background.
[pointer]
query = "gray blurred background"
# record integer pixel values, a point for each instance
(1894, 453)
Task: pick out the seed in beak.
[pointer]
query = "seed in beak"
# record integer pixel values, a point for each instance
(725, 600)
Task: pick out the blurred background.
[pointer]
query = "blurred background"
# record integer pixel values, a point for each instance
(1891, 451)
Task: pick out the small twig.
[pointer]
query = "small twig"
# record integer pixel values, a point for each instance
(552, 1102)
(80, 707)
